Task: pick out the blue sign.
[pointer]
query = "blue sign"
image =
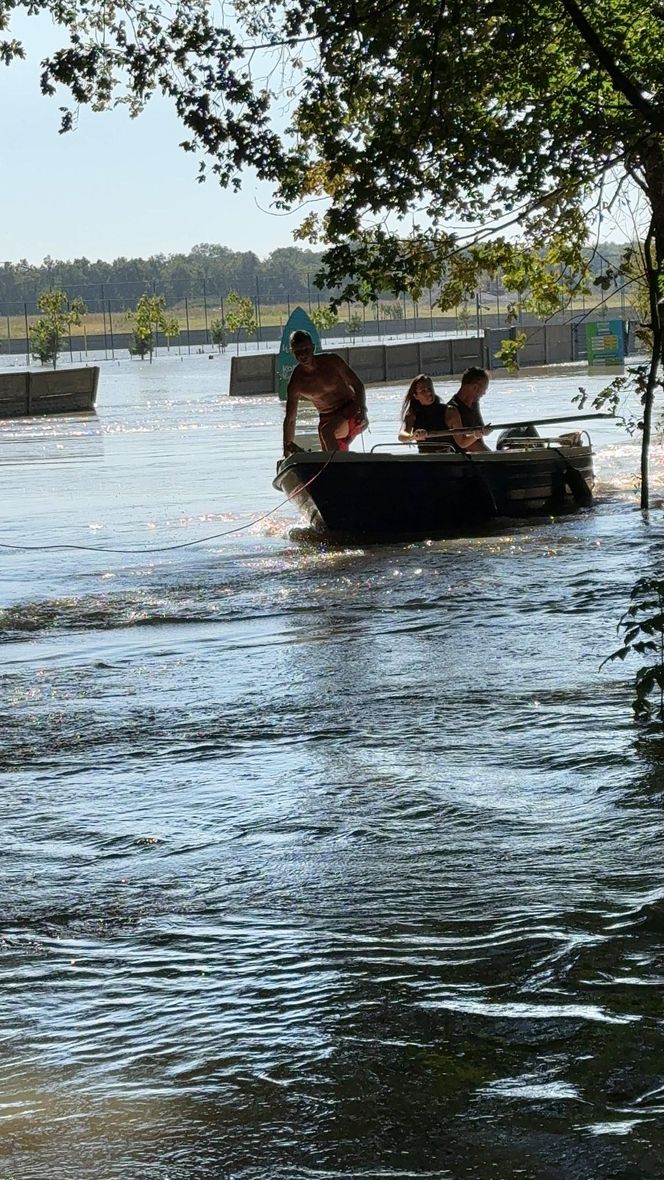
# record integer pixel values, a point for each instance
(606, 342)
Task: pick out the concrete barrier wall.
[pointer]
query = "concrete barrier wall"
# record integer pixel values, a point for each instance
(369, 362)
(373, 363)
(467, 351)
(549, 344)
(546, 344)
(49, 391)
(435, 358)
(253, 375)
(560, 343)
(13, 395)
(533, 351)
(401, 362)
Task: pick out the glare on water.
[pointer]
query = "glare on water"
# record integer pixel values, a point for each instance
(319, 860)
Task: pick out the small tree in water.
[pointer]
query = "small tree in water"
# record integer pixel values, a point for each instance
(642, 628)
(48, 334)
(353, 325)
(171, 329)
(149, 317)
(218, 334)
(240, 315)
(391, 311)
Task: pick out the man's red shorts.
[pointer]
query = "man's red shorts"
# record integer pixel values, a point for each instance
(355, 424)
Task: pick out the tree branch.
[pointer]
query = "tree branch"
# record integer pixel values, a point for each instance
(631, 92)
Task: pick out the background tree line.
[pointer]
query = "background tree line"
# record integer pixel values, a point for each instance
(286, 275)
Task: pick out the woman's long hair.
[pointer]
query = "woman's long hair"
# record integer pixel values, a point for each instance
(409, 402)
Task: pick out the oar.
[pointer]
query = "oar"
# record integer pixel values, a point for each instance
(513, 425)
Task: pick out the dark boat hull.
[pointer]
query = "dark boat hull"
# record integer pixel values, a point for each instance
(438, 494)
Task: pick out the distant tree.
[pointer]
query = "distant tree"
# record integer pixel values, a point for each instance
(218, 334)
(324, 317)
(171, 329)
(148, 317)
(139, 345)
(287, 273)
(391, 311)
(246, 270)
(49, 332)
(353, 325)
(43, 343)
(240, 315)
(463, 316)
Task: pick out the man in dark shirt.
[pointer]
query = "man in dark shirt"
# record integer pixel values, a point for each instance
(464, 410)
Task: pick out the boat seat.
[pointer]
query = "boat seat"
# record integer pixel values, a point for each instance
(516, 443)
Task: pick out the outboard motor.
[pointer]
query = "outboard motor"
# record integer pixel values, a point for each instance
(505, 438)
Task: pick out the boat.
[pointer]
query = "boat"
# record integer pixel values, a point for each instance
(24, 394)
(407, 493)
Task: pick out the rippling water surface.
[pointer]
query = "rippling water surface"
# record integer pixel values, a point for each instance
(317, 862)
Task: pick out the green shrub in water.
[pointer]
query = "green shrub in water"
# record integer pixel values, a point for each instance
(642, 629)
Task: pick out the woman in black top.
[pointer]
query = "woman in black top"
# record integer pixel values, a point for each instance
(422, 412)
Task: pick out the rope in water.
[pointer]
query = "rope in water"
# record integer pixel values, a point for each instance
(169, 548)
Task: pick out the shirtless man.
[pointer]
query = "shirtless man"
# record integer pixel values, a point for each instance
(464, 410)
(335, 390)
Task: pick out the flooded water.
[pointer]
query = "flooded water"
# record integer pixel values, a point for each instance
(317, 862)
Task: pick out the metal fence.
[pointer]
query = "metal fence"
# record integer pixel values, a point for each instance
(106, 330)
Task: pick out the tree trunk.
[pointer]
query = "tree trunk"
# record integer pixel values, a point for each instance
(653, 167)
(648, 400)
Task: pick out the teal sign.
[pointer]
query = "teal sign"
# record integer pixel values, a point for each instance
(606, 342)
(298, 321)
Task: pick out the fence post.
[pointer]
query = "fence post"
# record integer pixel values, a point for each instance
(205, 315)
(259, 326)
(103, 312)
(186, 312)
(110, 324)
(27, 333)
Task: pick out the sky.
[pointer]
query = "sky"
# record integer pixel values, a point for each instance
(117, 186)
(114, 186)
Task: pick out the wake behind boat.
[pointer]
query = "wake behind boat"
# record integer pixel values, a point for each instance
(437, 494)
